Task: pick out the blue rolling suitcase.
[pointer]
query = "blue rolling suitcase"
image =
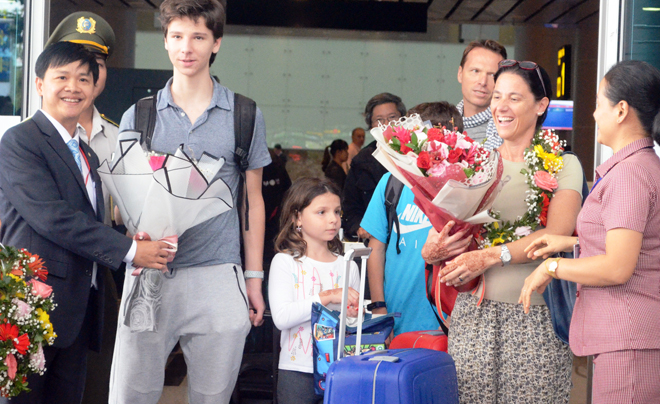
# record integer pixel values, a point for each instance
(403, 376)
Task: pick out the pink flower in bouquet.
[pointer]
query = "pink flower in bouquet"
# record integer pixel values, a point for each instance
(455, 155)
(523, 231)
(40, 289)
(38, 359)
(472, 153)
(22, 309)
(10, 361)
(463, 143)
(545, 180)
(403, 135)
(388, 134)
(156, 162)
(424, 161)
(438, 170)
(451, 138)
(435, 134)
(441, 149)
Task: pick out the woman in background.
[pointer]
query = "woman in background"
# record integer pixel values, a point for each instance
(333, 157)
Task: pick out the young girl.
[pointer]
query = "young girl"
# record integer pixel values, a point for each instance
(333, 157)
(308, 268)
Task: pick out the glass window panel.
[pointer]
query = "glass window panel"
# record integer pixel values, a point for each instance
(11, 56)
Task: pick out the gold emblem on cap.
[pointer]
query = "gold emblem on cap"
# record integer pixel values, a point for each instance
(86, 25)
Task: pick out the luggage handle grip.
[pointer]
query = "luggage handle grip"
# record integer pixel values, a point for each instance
(364, 254)
(383, 358)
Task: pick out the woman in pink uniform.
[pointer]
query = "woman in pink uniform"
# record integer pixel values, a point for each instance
(617, 312)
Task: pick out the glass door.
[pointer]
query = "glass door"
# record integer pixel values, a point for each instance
(12, 27)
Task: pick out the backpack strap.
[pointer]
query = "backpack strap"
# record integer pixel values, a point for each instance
(145, 119)
(245, 113)
(393, 191)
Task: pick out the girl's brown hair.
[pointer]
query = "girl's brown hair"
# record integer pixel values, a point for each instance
(297, 198)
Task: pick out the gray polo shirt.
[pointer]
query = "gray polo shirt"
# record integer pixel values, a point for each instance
(216, 241)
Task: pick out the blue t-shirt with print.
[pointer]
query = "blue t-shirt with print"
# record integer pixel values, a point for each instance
(404, 273)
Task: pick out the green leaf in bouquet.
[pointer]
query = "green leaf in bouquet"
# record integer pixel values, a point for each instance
(523, 171)
(413, 139)
(469, 172)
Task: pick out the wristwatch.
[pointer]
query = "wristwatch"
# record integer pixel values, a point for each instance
(376, 305)
(505, 255)
(552, 267)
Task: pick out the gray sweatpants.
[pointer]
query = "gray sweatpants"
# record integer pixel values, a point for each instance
(203, 308)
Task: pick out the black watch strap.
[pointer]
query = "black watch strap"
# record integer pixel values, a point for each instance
(376, 305)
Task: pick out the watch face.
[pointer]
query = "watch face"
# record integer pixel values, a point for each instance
(506, 255)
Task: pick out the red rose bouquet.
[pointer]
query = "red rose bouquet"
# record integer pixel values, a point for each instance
(453, 177)
(24, 321)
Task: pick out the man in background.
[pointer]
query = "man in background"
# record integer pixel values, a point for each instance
(354, 148)
(277, 149)
(476, 75)
(365, 170)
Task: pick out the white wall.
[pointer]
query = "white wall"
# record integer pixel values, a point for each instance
(313, 90)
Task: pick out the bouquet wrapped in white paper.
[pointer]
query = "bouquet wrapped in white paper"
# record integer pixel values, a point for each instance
(159, 198)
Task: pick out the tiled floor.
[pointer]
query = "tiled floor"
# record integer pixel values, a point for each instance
(177, 395)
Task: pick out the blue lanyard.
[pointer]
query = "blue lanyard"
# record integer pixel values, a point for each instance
(595, 183)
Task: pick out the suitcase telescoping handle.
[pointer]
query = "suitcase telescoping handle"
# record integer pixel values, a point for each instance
(363, 253)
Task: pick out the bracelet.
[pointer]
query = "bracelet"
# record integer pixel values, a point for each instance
(253, 274)
(376, 305)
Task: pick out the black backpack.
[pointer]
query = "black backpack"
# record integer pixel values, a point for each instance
(393, 191)
(245, 112)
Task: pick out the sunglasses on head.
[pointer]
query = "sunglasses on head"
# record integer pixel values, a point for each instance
(525, 65)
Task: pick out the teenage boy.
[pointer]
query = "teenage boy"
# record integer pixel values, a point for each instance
(476, 75)
(205, 306)
(396, 268)
(51, 204)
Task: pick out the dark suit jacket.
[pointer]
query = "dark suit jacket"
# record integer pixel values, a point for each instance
(361, 181)
(45, 208)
